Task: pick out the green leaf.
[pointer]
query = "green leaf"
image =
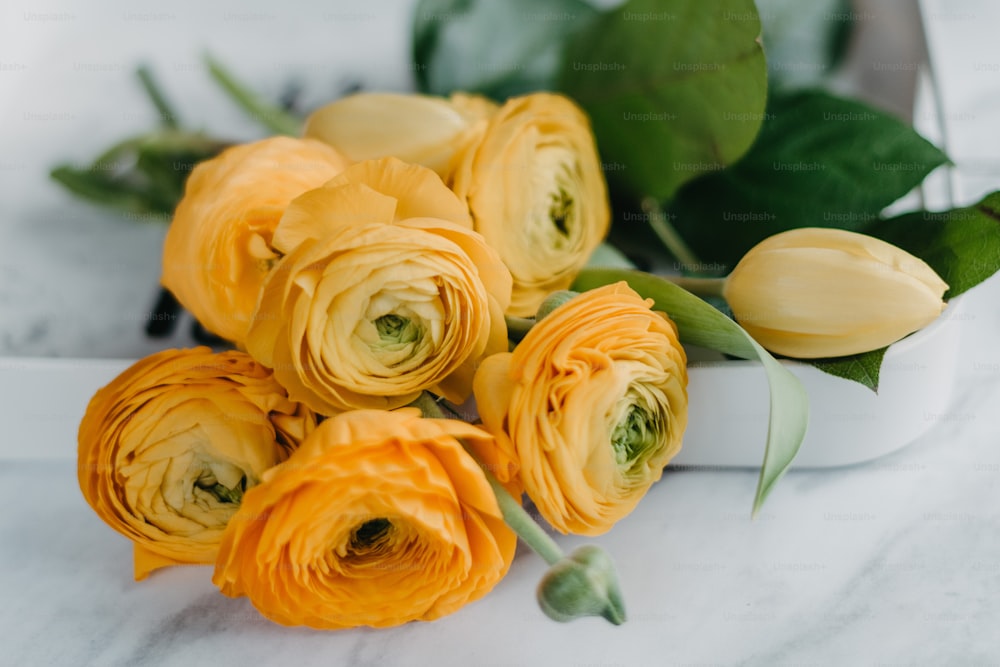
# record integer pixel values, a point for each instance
(804, 41)
(142, 176)
(499, 49)
(166, 113)
(105, 190)
(167, 158)
(698, 323)
(674, 89)
(961, 245)
(863, 368)
(609, 256)
(820, 161)
(270, 117)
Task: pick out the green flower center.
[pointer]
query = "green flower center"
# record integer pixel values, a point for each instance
(633, 436)
(390, 327)
(394, 331)
(560, 211)
(553, 223)
(209, 483)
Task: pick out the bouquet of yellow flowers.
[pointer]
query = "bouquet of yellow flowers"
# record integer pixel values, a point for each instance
(356, 288)
(423, 332)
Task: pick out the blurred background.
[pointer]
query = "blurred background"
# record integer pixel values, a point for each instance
(80, 281)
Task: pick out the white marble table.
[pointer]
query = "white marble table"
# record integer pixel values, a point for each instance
(895, 562)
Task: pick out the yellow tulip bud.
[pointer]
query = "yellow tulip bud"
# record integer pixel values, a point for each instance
(419, 129)
(812, 293)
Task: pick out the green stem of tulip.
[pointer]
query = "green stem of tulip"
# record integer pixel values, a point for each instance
(703, 287)
(513, 514)
(668, 235)
(271, 117)
(518, 327)
(167, 116)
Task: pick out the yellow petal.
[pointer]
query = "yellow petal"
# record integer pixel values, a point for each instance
(414, 128)
(216, 254)
(380, 518)
(814, 293)
(533, 181)
(318, 213)
(420, 193)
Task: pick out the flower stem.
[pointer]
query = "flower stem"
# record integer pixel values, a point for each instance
(518, 327)
(668, 235)
(514, 515)
(428, 407)
(703, 287)
(271, 117)
(521, 522)
(167, 116)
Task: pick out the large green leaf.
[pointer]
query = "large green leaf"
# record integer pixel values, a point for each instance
(495, 48)
(820, 161)
(674, 88)
(698, 323)
(962, 245)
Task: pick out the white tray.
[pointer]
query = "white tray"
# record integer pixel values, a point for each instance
(848, 422)
(44, 399)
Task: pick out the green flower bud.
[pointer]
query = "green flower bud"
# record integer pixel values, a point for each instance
(553, 301)
(582, 584)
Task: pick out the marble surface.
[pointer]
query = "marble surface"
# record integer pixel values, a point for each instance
(76, 280)
(896, 562)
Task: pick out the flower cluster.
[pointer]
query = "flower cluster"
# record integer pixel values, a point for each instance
(359, 270)
(393, 256)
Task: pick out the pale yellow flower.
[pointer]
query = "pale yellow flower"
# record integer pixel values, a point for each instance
(534, 184)
(420, 129)
(816, 292)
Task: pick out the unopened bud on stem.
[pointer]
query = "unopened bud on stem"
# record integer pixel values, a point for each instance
(582, 584)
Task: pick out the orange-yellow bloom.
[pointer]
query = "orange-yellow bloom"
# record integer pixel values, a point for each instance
(588, 409)
(528, 171)
(378, 519)
(167, 449)
(218, 248)
(385, 291)
(534, 184)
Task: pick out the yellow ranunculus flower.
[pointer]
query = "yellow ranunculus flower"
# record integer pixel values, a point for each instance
(378, 519)
(420, 129)
(167, 449)
(385, 291)
(588, 409)
(534, 185)
(814, 292)
(218, 248)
